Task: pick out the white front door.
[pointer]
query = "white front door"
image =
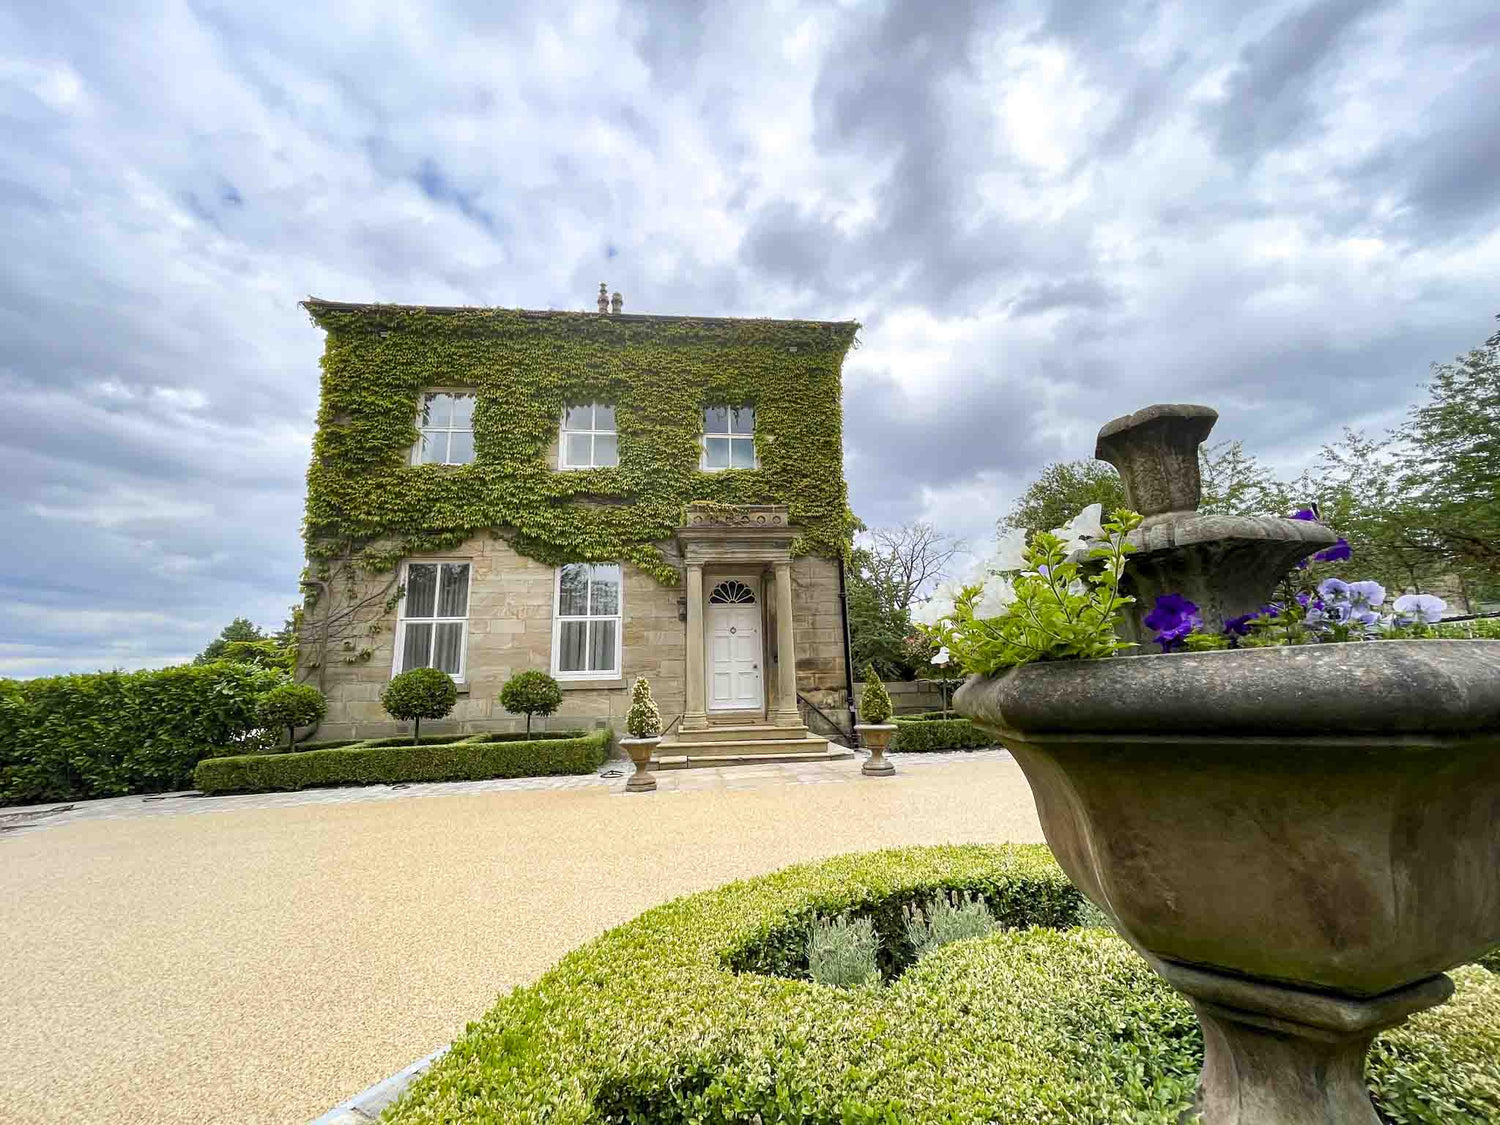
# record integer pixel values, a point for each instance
(734, 650)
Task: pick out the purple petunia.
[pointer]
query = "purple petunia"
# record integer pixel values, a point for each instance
(1173, 618)
(1304, 514)
(1337, 553)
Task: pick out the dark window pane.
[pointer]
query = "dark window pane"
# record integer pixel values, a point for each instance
(572, 645)
(579, 418)
(602, 646)
(717, 453)
(716, 420)
(460, 447)
(421, 589)
(573, 591)
(606, 452)
(463, 412)
(447, 651)
(418, 646)
(742, 420)
(743, 453)
(604, 417)
(605, 594)
(453, 599)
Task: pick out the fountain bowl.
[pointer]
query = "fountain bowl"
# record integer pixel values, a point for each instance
(1300, 839)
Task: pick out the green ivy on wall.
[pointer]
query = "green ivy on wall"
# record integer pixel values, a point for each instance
(366, 502)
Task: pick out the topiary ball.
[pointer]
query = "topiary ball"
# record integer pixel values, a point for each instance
(421, 693)
(291, 705)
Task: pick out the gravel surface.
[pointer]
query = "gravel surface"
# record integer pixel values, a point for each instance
(263, 964)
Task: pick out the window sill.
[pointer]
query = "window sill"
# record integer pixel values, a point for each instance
(592, 685)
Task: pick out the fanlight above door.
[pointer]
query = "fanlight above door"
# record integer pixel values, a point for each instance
(732, 592)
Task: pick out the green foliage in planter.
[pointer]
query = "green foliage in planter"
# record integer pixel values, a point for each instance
(529, 693)
(417, 694)
(643, 720)
(371, 765)
(291, 706)
(108, 733)
(365, 501)
(874, 702)
(651, 1022)
(928, 733)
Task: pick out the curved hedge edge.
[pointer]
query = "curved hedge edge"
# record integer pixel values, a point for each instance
(923, 734)
(374, 765)
(647, 1023)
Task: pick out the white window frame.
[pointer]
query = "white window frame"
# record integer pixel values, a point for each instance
(416, 449)
(705, 435)
(563, 432)
(618, 617)
(402, 620)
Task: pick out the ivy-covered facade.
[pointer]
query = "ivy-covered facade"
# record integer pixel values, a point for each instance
(597, 495)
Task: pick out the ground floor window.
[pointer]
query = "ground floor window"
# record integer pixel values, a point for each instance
(433, 628)
(586, 621)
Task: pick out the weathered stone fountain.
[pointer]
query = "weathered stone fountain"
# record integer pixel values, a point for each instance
(1300, 840)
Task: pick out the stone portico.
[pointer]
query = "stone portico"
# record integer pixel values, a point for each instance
(740, 679)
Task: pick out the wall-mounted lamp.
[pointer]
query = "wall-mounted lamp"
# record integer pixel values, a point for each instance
(681, 609)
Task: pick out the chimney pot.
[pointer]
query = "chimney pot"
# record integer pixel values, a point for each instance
(616, 303)
(603, 298)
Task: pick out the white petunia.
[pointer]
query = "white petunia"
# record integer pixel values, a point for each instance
(996, 598)
(933, 610)
(1010, 550)
(1082, 528)
(942, 656)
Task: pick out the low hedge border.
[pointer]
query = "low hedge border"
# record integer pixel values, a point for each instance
(373, 764)
(926, 733)
(652, 1023)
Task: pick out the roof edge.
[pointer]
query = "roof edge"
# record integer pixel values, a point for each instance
(315, 305)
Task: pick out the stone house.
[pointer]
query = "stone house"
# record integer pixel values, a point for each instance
(598, 495)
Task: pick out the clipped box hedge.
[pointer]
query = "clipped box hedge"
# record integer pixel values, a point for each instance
(661, 1021)
(373, 764)
(933, 732)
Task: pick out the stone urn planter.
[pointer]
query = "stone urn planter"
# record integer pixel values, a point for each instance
(1301, 840)
(877, 736)
(640, 750)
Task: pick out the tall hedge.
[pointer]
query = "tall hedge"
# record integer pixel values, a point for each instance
(108, 733)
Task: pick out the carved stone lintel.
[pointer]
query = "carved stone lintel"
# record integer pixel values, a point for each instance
(737, 515)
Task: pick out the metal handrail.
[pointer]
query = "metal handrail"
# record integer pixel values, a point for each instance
(844, 736)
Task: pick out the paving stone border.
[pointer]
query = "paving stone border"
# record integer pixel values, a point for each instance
(368, 1105)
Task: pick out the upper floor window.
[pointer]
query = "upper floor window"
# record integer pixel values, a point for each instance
(446, 420)
(586, 626)
(589, 440)
(729, 438)
(432, 630)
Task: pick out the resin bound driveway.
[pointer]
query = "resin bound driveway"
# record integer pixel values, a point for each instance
(262, 958)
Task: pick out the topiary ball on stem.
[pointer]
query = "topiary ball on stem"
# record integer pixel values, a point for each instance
(291, 706)
(644, 720)
(421, 693)
(531, 693)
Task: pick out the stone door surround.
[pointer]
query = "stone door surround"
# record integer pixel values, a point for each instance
(747, 537)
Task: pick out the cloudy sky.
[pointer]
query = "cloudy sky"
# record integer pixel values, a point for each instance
(1043, 215)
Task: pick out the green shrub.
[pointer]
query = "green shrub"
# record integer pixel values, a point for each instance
(947, 920)
(109, 733)
(518, 736)
(531, 693)
(291, 706)
(915, 736)
(841, 953)
(651, 1022)
(874, 701)
(644, 720)
(417, 694)
(367, 764)
(423, 740)
(322, 744)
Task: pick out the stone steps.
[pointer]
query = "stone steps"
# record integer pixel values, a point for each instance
(756, 732)
(747, 752)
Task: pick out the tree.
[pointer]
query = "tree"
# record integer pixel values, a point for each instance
(887, 571)
(532, 693)
(421, 693)
(1235, 484)
(291, 706)
(241, 629)
(1063, 490)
